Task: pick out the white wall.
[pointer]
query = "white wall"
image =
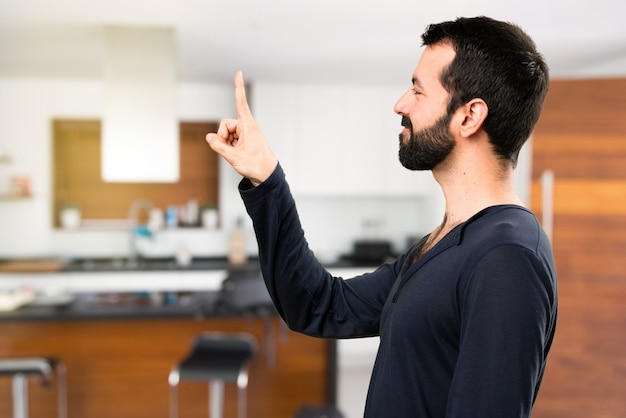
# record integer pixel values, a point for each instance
(27, 107)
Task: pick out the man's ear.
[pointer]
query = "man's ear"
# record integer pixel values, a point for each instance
(474, 114)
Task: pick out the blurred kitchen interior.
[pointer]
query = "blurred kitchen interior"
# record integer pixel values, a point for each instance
(322, 81)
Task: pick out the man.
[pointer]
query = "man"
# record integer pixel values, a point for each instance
(466, 317)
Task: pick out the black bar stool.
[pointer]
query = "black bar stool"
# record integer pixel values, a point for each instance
(45, 368)
(217, 358)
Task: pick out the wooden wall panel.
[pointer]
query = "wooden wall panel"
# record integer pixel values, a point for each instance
(592, 107)
(585, 197)
(576, 156)
(581, 137)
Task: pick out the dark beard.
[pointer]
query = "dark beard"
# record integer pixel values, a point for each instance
(428, 147)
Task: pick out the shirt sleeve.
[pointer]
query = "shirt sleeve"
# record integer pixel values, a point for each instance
(506, 311)
(308, 297)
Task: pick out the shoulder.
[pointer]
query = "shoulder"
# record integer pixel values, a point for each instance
(508, 241)
(504, 225)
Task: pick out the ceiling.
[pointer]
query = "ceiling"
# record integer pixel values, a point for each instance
(299, 40)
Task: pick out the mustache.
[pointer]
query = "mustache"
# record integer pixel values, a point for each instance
(406, 122)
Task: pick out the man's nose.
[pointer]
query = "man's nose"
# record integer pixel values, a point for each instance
(401, 106)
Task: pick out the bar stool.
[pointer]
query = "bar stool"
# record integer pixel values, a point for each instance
(21, 368)
(217, 358)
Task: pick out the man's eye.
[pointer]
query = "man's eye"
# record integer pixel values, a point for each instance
(416, 92)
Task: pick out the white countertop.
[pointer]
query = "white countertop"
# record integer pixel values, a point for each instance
(130, 281)
(117, 281)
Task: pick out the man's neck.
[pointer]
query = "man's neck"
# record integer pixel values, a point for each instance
(467, 194)
(470, 188)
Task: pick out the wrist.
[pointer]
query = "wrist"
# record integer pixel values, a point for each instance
(265, 174)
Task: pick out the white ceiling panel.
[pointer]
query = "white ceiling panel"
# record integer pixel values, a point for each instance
(299, 40)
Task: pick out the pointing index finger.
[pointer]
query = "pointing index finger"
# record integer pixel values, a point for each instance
(241, 102)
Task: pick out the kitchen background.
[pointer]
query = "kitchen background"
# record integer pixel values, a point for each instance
(376, 200)
(330, 122)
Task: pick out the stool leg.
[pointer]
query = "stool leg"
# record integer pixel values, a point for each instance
(173, 401)
(242, 402)
(242, 386)
(61, 390)
(20, 396)
(216, 396)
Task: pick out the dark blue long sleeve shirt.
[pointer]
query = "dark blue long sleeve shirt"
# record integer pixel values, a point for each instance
(464, 331)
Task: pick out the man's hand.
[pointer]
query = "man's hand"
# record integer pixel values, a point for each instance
(241, 142)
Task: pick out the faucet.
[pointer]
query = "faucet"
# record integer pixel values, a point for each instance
(133, 219)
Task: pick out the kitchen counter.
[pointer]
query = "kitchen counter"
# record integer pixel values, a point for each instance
(103, 316)
(117, 288)
(120, 368)
(94, 306)
(120, 275)
(142, 288)
(150, 264)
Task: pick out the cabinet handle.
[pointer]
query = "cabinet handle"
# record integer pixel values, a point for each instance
(547, 202)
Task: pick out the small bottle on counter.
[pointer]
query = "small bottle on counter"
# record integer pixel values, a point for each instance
(192, 212)
(237, 254)
(155, 220)
(171, 217)
(183, 256)
(209, 217)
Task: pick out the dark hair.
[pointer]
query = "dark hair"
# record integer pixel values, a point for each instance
(499, 63)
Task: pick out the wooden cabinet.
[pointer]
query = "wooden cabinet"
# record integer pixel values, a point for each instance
(119, 368)
(336, 140)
